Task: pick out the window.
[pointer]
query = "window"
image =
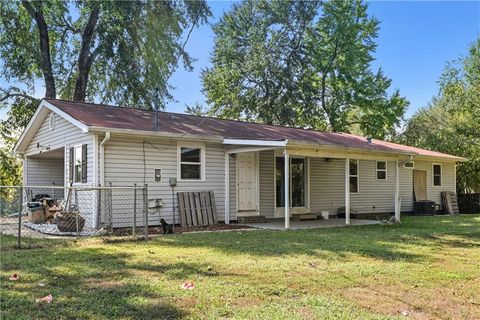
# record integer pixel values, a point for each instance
(437, 175)
(279, 176)
(353, 176)
(298, 179)
(78, 164)
(191, 163)
(381, 170)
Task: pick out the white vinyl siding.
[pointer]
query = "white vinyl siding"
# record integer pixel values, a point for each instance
(406, 189)
(124, 166)
(448, 179)
(267, 184)
(43, 172)
(64, 135)
(327, 185)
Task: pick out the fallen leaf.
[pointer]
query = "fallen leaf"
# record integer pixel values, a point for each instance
(14, 277)
(188, 285)
(47, 299)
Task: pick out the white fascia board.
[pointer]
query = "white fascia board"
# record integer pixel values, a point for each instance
(265, 143)
(66, 116)
(38, 116)
(159, 134)
(303, 144)
(441, 159)
(17, 148)
(249, 149)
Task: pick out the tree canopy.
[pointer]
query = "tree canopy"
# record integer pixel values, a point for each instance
(303, 63)
(120, 52)
(451, 122)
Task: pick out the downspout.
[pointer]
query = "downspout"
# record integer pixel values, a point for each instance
(102, 158)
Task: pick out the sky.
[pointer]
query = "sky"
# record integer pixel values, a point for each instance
(415, 41)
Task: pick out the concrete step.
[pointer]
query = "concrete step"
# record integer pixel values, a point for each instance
(305, 217)
(251, 219)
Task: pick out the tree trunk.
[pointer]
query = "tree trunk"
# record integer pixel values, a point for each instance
(85, 58)
(45, 62)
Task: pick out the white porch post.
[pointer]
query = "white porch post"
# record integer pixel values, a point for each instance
(347, 191)
(287, 190)
(227, 188)
(397, 192)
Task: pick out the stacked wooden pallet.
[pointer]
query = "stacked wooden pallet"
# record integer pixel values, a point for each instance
(197, 208)
(450, 203)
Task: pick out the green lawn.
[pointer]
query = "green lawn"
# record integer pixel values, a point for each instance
(427, 267)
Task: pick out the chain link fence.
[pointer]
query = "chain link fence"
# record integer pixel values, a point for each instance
(33, 212)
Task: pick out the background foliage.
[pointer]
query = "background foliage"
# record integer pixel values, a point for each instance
(451, 123)
(120, 52)
(302, 63)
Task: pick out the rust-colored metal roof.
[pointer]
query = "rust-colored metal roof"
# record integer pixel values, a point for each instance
(114, 117)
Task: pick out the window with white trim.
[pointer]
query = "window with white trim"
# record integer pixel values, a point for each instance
(191, 163)
(353, 169)
(437, 175)
(381, 170)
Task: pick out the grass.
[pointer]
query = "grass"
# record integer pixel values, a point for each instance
(427, 267)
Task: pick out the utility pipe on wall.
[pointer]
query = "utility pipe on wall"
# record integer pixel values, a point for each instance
(102, 158)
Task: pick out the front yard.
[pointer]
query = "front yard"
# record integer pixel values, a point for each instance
(425, 268)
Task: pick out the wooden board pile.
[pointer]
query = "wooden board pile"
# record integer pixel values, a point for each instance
(449, 201)
(197, 208)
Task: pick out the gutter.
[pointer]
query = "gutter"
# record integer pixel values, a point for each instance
(102, 158)
(145, 133)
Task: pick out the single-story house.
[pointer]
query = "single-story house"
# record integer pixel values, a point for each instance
(245, 164)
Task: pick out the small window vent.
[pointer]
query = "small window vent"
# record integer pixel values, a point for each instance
(52, 121)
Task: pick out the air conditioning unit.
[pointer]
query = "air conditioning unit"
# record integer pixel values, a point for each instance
(409, 165)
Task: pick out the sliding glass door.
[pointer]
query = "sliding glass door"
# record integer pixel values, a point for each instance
(297, 180)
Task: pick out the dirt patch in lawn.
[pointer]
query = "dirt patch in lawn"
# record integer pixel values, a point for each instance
(246, 302)
(415, 303)
(306, 313)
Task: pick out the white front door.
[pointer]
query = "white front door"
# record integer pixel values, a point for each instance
(247, 181)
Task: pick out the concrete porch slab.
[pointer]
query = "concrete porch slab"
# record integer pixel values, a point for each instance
(311, 224)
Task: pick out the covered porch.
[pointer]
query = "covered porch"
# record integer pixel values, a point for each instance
(44, 169)
(309, 180)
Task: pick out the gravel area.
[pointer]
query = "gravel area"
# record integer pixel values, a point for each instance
(52, 229)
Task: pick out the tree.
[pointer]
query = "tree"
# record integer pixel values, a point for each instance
(257, 61)
(451, 122)
(301, 63)
(115, 51)
(196, 109)
(119, 52)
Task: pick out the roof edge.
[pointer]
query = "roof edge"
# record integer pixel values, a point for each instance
(27, 134)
